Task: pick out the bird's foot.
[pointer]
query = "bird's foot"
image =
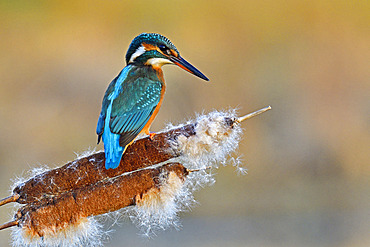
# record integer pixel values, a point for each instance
(151, 135)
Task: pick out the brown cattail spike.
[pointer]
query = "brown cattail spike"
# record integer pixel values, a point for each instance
(46, 216)
(89, 170)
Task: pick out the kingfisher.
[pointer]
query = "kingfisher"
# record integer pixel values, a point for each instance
(133, 98)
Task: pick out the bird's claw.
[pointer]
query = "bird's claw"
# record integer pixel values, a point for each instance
(151, 135)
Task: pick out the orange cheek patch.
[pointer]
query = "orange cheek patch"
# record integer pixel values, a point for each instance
(149, 47)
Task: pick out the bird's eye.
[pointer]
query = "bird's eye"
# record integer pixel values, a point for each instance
(164, 49)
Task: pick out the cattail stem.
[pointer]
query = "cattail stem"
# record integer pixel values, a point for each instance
(200, 169)
(9, 224)
(12, 198)
(253, 114)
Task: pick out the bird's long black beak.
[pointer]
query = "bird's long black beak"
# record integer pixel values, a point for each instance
(182, 63)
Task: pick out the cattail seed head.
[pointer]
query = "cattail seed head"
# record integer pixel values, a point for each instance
(153, 183)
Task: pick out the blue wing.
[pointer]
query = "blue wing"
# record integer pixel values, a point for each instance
(106, 103)
(132, 108)
(127, 107)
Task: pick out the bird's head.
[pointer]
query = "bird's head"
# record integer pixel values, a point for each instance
(155, 50)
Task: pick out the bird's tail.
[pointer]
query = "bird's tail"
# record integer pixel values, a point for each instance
(113, 151)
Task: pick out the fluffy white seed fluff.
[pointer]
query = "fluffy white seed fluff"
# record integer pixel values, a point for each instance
(213, 142)
(85, 153)
(212, 145)
(88, 233)
(158, 208)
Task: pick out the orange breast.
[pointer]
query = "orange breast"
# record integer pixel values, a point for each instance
(155, 112)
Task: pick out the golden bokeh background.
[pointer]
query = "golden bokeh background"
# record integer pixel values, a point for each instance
(308, 159)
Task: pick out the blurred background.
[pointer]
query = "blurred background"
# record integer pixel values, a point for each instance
(308, 159)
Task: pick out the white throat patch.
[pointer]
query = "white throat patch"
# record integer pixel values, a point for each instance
(139, 51)
(158, 61)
